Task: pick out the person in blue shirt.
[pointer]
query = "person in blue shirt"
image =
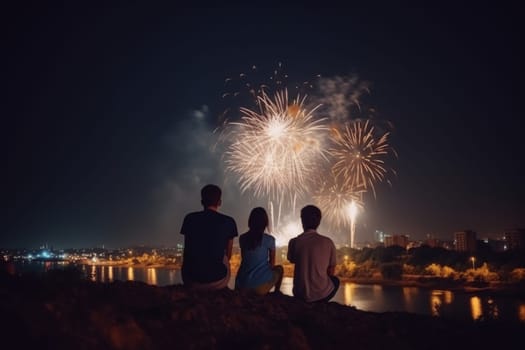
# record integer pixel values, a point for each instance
(258, 271)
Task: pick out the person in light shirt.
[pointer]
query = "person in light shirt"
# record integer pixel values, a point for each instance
(314, 256)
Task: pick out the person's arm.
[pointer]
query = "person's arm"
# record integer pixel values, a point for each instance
(271, 256)
(290, 253)
(331, 265)
(229, 248)
(234, 233)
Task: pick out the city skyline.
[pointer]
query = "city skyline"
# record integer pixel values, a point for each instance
(112, 112)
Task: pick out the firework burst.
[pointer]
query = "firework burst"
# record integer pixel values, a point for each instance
(276, 150)
(359, 154)
(335, 198)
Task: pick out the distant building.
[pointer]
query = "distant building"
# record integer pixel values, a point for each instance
(496, 245)
(379, 236)
(514, 239)
(448, 244)
(465, 241)
(399, 240)
(433, 242)
(414, 244)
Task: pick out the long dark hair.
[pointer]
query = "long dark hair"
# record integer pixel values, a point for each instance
(257, 223)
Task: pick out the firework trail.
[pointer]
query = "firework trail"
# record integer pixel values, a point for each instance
(276, 150)
(359, 155)
(334, 199)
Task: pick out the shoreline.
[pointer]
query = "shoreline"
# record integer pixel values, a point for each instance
(496, 288)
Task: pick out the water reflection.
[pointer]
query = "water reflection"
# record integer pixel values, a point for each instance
(475, 307)
(93, 274)
(375, 298)
(131, 274)
(349, 293)
(438, 298)
(152, 276)
(287, 285)
(408, 293)
(435, 303)
(172, 277)
(492, 309)
(147, 275)
(521, 312)
(449, 296)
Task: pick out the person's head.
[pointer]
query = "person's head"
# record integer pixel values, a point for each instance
(257, 223)
(211, 196)
(310, 217)
(258, 220)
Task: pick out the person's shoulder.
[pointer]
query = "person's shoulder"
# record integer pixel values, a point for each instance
(300, 236)
(325, 238)
(226, 217)
(242, 238)
(268, 237)
(193, 215)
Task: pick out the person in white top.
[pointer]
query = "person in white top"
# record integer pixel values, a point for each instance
(314, 257)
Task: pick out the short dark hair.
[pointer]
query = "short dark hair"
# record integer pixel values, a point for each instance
(310, 217)
(211, 195)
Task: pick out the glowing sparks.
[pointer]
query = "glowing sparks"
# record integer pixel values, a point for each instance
(359, 155)
(334, 200)
(288, 230)
(281, 149)
(352, 213)
(276, 150)
(352, 210)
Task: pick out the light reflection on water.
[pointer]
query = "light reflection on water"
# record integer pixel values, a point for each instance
(521, 312)
(376, 298)
(475, 308)
(131, 274)
(438, 298)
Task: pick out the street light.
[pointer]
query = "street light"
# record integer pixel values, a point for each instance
(473, 259)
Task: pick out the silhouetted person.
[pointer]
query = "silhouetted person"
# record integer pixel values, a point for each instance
(258, 271)
(314, 258)
(208, 241)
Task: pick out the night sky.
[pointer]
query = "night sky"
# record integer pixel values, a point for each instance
(109, 113)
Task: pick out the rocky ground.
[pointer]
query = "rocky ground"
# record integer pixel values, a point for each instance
(62, 311)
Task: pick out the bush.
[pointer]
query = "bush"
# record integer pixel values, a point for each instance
(517, 275)
(392, 271)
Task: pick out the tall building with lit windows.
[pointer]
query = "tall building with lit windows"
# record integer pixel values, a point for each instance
(514, 239)
(465, 241)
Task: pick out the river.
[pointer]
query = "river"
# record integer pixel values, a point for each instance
(376, 298)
